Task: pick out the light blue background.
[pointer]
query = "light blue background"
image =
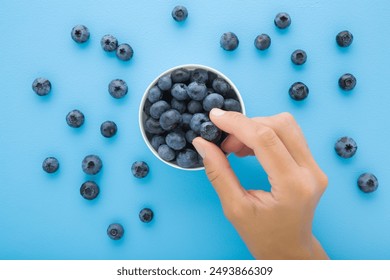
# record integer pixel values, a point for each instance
(43, 216)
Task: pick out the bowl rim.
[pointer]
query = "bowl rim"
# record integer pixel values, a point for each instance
(141, 113)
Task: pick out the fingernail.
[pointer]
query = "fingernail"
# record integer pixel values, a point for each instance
(217, 112)
(199, 149)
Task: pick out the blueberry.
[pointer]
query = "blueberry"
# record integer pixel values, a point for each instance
(117, 88)
(158, 108)
(146, 215)
(345, 147)
(212, 76)
(166, 152)
(200, 76)
(229, 41)
(179, 13)
(179, 91)
(41, 86)
(197, 91)
(298, 91)
(165, 82)
(231, 105)
(115, 231)
(180, 75)
(209, 131)
(147, 106)
(75, 118)
(157, 141)
(194, 107)
(154, 94)
(299, 57)
(221, 86)
(170, 119)
(89, 190)
(176, 140)
(344, 39)
(50, 164)
(187, 158)
(282, 20)
(367, 182)
(153, 126)
(180, 106)
(197, 121)
(262, 42)
(124, 52)
(190, 136)
(108, 129)
(91, 164)
(109, 43)
(213, 100)
(140, 169)
(80, 34)
(347, 82)
(185, 120)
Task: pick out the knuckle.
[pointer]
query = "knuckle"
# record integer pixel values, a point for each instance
(267, 136)
(323, 180)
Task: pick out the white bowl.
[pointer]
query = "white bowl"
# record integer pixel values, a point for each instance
(143, 116)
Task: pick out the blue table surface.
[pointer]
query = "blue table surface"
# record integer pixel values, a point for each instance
(43, 216)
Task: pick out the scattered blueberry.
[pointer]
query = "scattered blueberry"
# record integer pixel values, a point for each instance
(180, 75)
(299, 57)
(176, 141)
(197, 91)
(157, 141)
(187, 158)
(197, 121)
(221, 86)
(92, 164)
(109, 43)
(41, 86)
(140, 169)
(115, 231)
(153, 126)
(80, 34)
(75, 118)
(179, 91)
(347, 82)
(209, 131)
(262, 42)
(194, 107)
(165, 82)
(166, 152)
(117, 88)
(158, 108)
(50, 164)
(154, 94)
(170, 119)
(124, 52)
(367, 182)
(229, 41)
(345, 147)
(179, 13)
(298, 91)
(108, 129)
(146, 215)
(89, 190)
(282, 20)
(344, 39)
(231, 105)
(213, 100)
(200, 76)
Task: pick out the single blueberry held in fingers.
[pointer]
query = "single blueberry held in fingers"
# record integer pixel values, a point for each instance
(299, 57)
(158, 108)
(165, 82)
(282, 20)
(124, 52)
(146, 215)
(118, 88)
(176, 141)
(109, 43)
(108, 129)
(166, 152)
(197, 91)
(347, 82)
(262, 42)
(344, 39)
(115, 231)
(75, 118)
(89, 190)
(80, 34)
(154, 94)
(231, 105)
(187, 158)
(50, 164)
(179, 91)
(170, 119)
(367, 182)
(298, 91)
(41, 86)
(345, 147)
(229, 41)
(179, 13)
(213, 100)
(92, 164)
(197, 121)
(140, 169)
(209, 131)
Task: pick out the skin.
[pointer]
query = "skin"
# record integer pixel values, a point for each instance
(275, 224)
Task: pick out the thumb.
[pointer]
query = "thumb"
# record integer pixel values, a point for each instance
(220, 173)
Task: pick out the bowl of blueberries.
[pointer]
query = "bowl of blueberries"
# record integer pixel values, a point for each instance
(175, 110)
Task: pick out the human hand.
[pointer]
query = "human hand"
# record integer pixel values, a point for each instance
(275, 224)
